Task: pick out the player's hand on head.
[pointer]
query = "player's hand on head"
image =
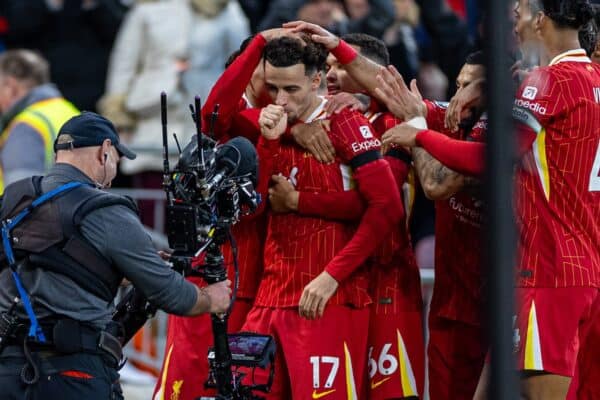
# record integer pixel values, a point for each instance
(283, 197)
(316, 295)
(400, 135)
(316, 32)
(272, 121)
(403, 102)
(314, 138)
(275, 33)
(337, 102)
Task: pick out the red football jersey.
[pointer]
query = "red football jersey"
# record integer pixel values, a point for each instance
(457, 292)
(558, 180)
(298, 248)
(395, 274)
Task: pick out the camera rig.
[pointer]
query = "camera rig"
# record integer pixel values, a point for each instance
(209, 190)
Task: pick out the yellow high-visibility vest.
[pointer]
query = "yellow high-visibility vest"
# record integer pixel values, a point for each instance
(46, 117)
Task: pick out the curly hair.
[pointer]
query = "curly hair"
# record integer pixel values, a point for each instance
(287, 51)
(571, 14)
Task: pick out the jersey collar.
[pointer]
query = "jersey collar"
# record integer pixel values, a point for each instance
(575, 55)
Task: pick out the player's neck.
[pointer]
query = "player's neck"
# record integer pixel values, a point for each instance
(559, 43)
(314, 103)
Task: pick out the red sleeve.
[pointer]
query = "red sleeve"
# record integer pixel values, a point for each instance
(230, 87)
(461, 156)
(436, 115)
(245, 123)
(352, 137)
(538, 101)
(267, 151)
(384, 122)
(343, 206)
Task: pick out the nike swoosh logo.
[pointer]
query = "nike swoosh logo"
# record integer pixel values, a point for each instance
(377, 384)
(316, 395)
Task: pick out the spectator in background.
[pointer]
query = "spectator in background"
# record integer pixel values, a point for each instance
(401, 41)
(33, 111)
(329, 15)
(449, 36)
(176, 46)
(75, 36)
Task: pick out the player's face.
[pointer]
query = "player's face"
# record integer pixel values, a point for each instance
(468, 74)
(338, 80)
(524, 22)
(291, 88)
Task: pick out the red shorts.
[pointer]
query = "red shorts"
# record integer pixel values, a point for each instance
(323, 358)
(456, 353)
(396, 355)
(585, 385)
(549, 327)
(185, 366)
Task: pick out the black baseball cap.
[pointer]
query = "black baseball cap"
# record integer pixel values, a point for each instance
(91, 129)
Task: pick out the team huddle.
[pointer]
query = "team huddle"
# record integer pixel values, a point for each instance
(326, 264)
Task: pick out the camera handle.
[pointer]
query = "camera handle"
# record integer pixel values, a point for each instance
(212, 272)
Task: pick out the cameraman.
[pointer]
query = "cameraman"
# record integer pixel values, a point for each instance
(71, 255)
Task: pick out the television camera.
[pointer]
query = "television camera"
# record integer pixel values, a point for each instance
(209, 190)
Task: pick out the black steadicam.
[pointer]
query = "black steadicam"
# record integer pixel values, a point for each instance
(209, 190)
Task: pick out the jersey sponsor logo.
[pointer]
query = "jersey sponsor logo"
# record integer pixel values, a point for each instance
(358, 147)
(365, 132)
(316, 395)
(535, 107)
(530, 92)
(597, 94)
(375, 385)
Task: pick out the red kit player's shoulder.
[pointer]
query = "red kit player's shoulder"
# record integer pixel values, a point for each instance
(352, 134)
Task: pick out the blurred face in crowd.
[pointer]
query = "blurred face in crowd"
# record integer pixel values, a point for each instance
(10, 91)
(318, 12)
(357, 9)
(291, 88)
(338, 79)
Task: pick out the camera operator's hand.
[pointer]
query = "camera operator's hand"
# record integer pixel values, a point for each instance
(316, 295)
(313, 137)
(283, 197)
(213, 298)
(272, 121)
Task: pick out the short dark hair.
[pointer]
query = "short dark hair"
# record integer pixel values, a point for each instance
(476, 58)
(286, 51)
(589, 34)
(239, 51)
(571, 14)
(26, 66)
(371, 47)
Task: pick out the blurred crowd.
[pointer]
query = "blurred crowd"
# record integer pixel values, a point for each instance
(116, 56)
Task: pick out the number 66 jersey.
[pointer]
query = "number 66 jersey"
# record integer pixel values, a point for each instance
(558, 181)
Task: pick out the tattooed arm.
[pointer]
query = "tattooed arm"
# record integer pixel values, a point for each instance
(439, 182)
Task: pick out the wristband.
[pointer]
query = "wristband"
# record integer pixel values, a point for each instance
(418, 122)
(344, 53)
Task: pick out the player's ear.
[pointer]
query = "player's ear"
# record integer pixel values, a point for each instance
(538, 20)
